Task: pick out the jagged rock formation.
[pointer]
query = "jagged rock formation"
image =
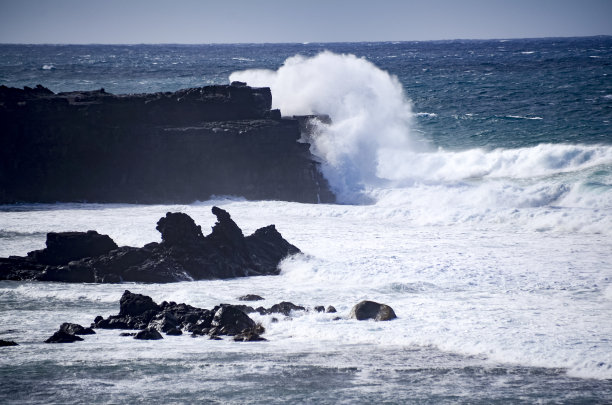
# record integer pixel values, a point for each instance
(183, 254)
(152, 148)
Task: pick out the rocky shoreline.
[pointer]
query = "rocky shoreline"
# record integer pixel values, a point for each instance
(149, 320)
(172, 147)
(183, 254)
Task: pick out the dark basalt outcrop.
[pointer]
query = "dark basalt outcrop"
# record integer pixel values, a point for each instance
(140, 312)
(153, 148)
(137, 311)
(183, 254)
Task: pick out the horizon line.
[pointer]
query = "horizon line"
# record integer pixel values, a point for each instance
(297, 43)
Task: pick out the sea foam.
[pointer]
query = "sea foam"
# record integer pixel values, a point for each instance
(372, 145)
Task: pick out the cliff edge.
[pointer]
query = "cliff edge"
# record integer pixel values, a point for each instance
(172, 147)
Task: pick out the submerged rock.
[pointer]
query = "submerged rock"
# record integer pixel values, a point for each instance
(62, 337)
(284, 308)
(250, 297)
(76, 329)
(184, 254)
(148, 334)
(372, 310)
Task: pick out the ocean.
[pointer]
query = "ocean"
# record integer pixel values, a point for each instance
(475, 198)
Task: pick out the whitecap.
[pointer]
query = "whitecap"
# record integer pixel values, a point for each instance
(522, 117)
(48, 67)
(426, 114)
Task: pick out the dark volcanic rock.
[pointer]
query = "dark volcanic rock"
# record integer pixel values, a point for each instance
(5, 343)
(250, 297)
(141, 312)
(62, 337)
(267, 248)
(250, 335)
(178, 228)
(148, 334)
(136, 304)
(174, 332)
(372, 310)
(64, 247)
(76, 329)
(184, 254)
(284, 308)
(152, 148)
(164, 322)
(229, 320)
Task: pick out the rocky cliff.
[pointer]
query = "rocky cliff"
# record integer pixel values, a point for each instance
(152, 148)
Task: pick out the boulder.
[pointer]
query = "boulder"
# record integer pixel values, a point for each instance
(177, 228)
(331, 310)
(148, 334)
(372, 310)
(248, 336)
(6, 343)
(136, 304)
(76, 329)
(250, 297)
(62, 337)
(174, 332)
(64, 247)
(284, 308)
(229, 320)
(164, 322)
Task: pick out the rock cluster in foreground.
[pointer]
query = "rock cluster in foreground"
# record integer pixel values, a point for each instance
(140, 312)
(173, 147)
(183, 254)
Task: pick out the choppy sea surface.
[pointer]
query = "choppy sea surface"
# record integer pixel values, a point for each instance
(475, 181)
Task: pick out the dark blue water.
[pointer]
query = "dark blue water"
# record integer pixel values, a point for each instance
(493, 93)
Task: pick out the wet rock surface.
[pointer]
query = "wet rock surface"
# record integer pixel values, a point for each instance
(148, 334)
(151, 320)
(76, 329)
(183, 254)
(372, 310)
(63, 337)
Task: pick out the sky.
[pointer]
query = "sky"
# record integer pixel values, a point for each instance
(243, 21)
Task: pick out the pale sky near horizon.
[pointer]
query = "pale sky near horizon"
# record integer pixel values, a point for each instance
(241, 21)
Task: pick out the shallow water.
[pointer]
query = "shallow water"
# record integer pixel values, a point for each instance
(484, 314)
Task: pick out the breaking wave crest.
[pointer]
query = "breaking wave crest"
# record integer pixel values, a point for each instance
(370, 145)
